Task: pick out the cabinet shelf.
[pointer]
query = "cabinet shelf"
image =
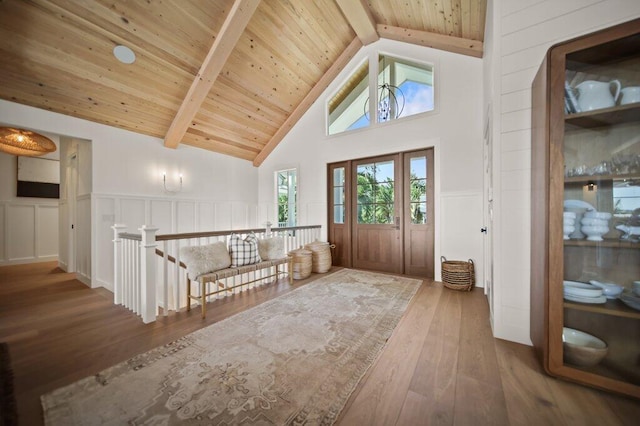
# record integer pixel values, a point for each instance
(614, 243)
(596, 178)
(613, 307)
(605, 117)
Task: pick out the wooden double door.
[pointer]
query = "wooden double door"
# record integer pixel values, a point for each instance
(381, 213)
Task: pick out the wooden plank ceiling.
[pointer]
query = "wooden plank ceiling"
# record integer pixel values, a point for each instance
(229, 76)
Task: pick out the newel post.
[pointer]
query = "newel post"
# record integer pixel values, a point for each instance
(117, 262)
(267, 229)
(148, 273)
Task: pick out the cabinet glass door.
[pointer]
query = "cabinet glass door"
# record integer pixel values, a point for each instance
(601, 210)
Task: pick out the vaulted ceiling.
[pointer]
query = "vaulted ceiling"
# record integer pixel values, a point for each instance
(229, 76)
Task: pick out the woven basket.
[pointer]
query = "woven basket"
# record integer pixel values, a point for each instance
(321, 256)
(301, 263)
(458, 275)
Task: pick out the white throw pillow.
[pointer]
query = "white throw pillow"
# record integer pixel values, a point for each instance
(204, 259)
(244, 252)
(271, 248)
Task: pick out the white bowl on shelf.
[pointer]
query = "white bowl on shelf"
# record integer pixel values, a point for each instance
(597, 215)
(582, 349)
(630, 300)
(588, 221)
(566, 230)
(610, 290)
(594, 233)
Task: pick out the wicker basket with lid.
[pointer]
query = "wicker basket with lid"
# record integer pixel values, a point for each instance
(321, 256)
(301, 263)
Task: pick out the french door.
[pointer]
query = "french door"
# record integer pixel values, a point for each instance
(381, 213)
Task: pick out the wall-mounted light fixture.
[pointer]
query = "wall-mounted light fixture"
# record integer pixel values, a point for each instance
(164, 183)
(591, 186)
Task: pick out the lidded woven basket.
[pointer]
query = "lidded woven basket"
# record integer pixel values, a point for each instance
(321, 256)
(457, 274)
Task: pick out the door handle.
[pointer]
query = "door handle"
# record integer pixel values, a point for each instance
(483, 230)
(397, 222)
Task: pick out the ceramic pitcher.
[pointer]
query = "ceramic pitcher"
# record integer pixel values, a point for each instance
(597, 94)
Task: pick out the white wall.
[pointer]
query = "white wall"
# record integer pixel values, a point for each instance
(219, 192)
(25, 229)
(522, 32)
(454, 130)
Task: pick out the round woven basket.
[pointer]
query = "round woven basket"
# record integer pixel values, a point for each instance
(458, 275)
(321, 256)
(301, 263)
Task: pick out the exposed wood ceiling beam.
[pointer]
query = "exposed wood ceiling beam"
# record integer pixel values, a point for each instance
(229, 34)
(308, 100)
(360, 18)
(437, 41)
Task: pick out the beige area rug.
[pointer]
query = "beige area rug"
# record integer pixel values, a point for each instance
(292, 360)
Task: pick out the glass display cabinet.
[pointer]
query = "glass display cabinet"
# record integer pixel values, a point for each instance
(585, 210)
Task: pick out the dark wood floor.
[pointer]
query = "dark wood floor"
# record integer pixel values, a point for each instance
(441, 366)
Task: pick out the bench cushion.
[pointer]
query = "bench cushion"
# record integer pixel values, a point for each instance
(271, 248)
(204, 259)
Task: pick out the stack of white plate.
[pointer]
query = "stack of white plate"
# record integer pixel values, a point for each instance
(575, 291)
(568, 224)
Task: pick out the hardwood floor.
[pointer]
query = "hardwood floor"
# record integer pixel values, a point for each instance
(441, 365)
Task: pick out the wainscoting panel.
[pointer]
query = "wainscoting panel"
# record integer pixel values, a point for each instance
(105, 217)
(132, 213)
(161, 214)
(21, 232)
(29, 231)
(63, 237)
(83, 238)
(47, 231)
(185, 216)
(206, 216)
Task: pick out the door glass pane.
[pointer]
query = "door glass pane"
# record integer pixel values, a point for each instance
(338, 195)
(419, 168)
(418, 213)
(338, 176)
(376, 193)
(338, 214)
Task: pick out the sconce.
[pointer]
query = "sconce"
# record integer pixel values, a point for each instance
(167, 190)
(591, 186)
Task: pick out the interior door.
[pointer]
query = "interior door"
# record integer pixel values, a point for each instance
(376, 220)
(339, 191)
(418, 213)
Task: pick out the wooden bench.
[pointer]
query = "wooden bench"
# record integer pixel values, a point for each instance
(215, 277)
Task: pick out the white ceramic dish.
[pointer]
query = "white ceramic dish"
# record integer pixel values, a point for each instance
(578, 204)
(597, 215)
(576, 288)
(594, 233)
(589, 300)
(587, 221)
(630, 300)
(582, 349)
(569, 215)
(609, 290)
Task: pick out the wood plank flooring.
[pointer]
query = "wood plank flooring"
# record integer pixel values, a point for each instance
(440, 367)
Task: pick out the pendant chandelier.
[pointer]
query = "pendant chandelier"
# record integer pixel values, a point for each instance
(390, 103)
(24, 142)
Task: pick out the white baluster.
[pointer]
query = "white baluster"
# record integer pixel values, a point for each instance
(165, 278)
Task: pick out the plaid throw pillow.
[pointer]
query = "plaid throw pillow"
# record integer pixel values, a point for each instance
(243, 252)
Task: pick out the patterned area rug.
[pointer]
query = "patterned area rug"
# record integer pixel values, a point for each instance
(294, 360)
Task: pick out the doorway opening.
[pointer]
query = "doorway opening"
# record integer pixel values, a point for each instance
(381, 213)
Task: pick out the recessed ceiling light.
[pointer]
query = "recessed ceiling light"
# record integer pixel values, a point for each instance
(124, 54)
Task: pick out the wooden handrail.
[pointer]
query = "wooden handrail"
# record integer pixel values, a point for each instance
(188, 235)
